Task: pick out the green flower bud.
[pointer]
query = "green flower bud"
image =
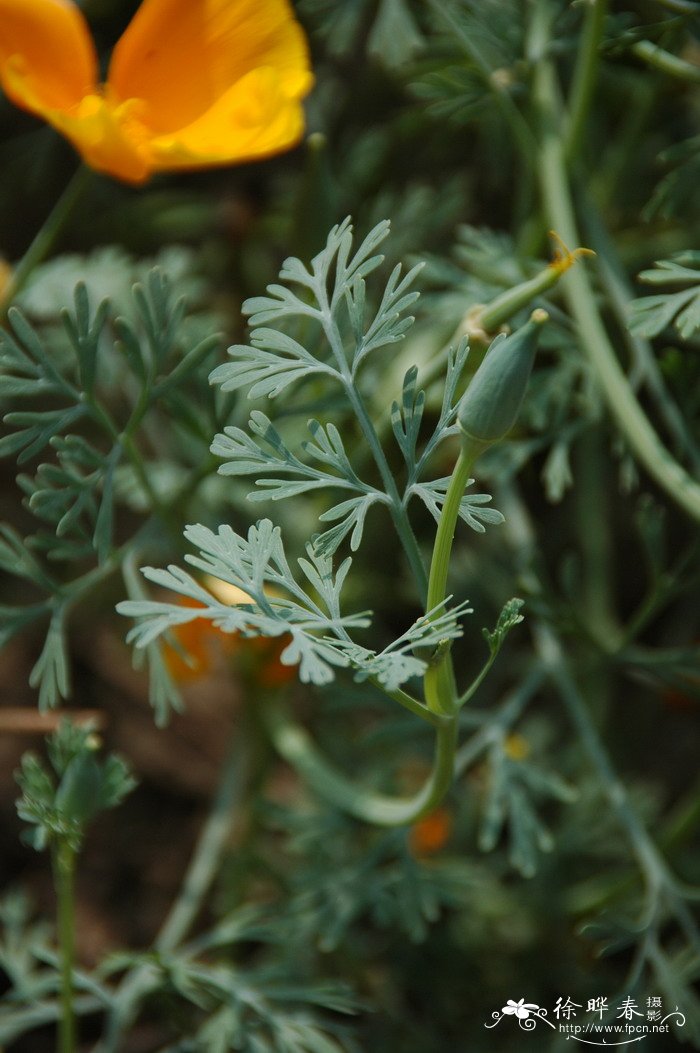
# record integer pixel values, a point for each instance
(78, 795)
(490, 405)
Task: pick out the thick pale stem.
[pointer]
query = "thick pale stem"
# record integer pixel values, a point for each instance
(665, 62)
(585, 76)
(296, 746)
(556, 196)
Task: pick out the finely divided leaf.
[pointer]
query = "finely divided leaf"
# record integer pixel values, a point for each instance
(650, 315)
(398, 663)
(246, 456)
(51, 672)
(471, 508)
(351, 515)
(406, 418)
(509, 617)
(446, 425)
(387, 326)
(268, 365)
(279, 606)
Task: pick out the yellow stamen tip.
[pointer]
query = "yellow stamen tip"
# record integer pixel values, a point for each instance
(563, 256)
(516, 747)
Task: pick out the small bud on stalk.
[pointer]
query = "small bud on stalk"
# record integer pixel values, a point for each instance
(491, 403)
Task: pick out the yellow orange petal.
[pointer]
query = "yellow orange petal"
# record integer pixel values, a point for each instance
(5, 277)
(110, 138)
(47, 58)
(254, 119)
(226, 592)
(183, 56)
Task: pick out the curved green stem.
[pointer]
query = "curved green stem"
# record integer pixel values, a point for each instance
(64, 857)
(585, 76)
(47, 236)
(440, 564)
(407, 701)
(296, 746)
(478, 680)
(620, 294)
(439, 682)
(663, 60)
(558, 204)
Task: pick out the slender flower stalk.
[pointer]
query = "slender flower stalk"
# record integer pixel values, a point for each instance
(46, 238)
(64, 858)
(439, 682)
(487, 412)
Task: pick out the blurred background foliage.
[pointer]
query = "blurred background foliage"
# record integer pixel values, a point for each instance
(561, 860)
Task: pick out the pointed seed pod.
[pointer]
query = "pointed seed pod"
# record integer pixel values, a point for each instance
(490, 405)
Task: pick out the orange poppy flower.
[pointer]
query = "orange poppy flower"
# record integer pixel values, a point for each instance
(198, 643)
(191, 83)
(431, 833)
(264, 666)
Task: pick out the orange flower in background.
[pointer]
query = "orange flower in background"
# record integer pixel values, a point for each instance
(265, 666)
(191, 83)
(5, 276)
(431, 833)
(198, 645)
